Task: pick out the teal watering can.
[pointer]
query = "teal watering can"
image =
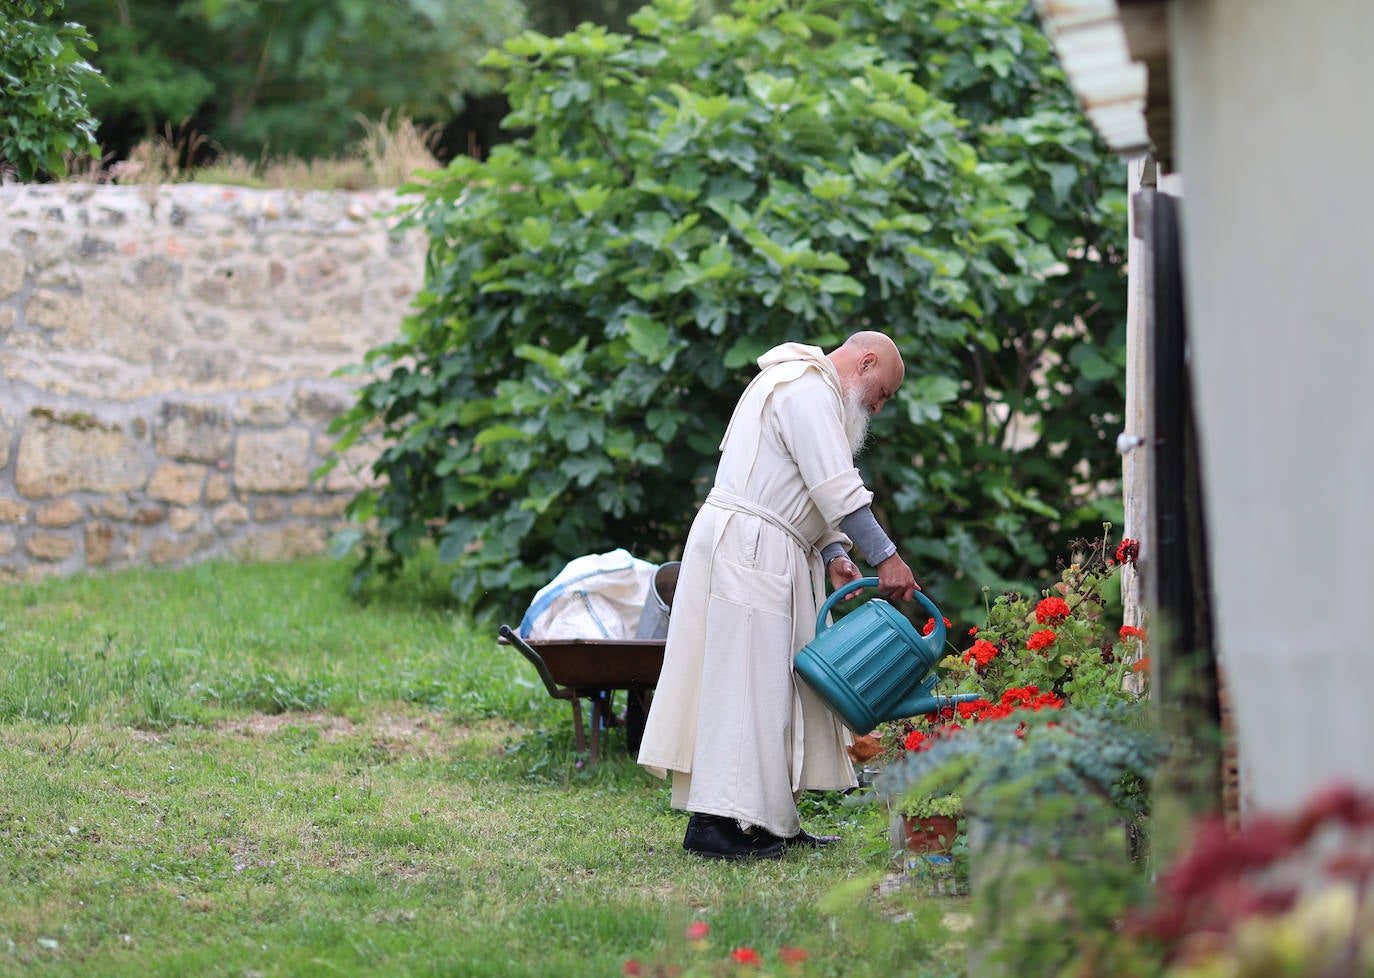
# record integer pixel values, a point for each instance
(871, 665)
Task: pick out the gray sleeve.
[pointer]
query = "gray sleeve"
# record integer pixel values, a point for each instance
(862, 527)
(830, 551)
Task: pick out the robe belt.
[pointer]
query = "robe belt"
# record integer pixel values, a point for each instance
(738, 504)
(728, 500)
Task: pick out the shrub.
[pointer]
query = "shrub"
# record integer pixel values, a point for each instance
(685, 198)
(43, 67)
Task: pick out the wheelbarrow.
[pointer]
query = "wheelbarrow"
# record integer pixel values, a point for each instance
(594, 670)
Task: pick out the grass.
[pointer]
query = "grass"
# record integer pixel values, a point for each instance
(387, 154)
(237, 770)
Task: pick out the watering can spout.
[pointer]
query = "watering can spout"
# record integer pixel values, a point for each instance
(924, 702)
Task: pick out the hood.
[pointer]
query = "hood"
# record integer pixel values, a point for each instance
(795, 359)
(802, 356)
(784, 352)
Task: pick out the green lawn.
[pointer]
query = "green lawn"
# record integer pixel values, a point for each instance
(240, 771)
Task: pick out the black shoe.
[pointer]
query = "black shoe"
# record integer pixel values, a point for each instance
(805, 840)
(717, 837)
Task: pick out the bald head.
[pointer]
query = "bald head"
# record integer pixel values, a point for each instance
(870, 368)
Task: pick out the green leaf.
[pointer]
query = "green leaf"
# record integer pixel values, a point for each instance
(1031, 503)
(547, 359)
(591, 200)
(533, 233)
(829, 186)
(745, 351)
(1063, 177)
(498, 433)
(648, 338)
(933, 388)
(454, 540)
(1092, 364)
(841, 285)
(585, 470)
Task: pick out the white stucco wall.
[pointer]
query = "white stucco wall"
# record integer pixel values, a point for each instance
(1275, 138)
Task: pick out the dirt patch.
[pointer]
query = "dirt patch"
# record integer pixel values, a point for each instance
(331, 727)
(398, 734)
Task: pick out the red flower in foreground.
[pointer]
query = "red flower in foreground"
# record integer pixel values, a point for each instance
(792, 955)
(632, 967)
(697, 930)
(1051, 611)
(1130, 631)
(746, 955)
(930, 625)
(1041, 640)
(1128, 551)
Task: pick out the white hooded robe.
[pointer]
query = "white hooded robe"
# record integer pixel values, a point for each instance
(741, 733)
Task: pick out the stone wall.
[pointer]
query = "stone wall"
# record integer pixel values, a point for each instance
(167, 361)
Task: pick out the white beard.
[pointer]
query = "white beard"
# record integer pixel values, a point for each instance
(856, 418)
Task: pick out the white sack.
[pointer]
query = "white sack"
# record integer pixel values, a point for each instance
(596, 596)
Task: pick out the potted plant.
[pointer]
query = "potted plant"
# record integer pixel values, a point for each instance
(928, 824)
(928, 832)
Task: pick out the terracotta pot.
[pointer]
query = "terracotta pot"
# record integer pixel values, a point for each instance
(930, 833)
(928, 861)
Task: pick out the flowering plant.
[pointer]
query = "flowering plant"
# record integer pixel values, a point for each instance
(1058, 642)
(1036, 654)
(703, 959)
(1282, 895)
(945, 725)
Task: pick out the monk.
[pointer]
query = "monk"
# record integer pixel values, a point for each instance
(739, 733)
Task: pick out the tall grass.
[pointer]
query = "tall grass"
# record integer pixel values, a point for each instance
(386, 154)
(237, 770)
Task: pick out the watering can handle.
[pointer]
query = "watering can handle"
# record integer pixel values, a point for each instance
(938, 635)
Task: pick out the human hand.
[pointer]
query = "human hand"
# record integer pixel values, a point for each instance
(842, 571)
(895, 580)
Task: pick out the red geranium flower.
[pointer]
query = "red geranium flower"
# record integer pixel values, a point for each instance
(746, 955)
(697, 930)
(1128, 551)
(970, 710)
(981, 653)
(929, 626)
(1042, 639)
(1051, 611)
(1130, 631)
(632, 967)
